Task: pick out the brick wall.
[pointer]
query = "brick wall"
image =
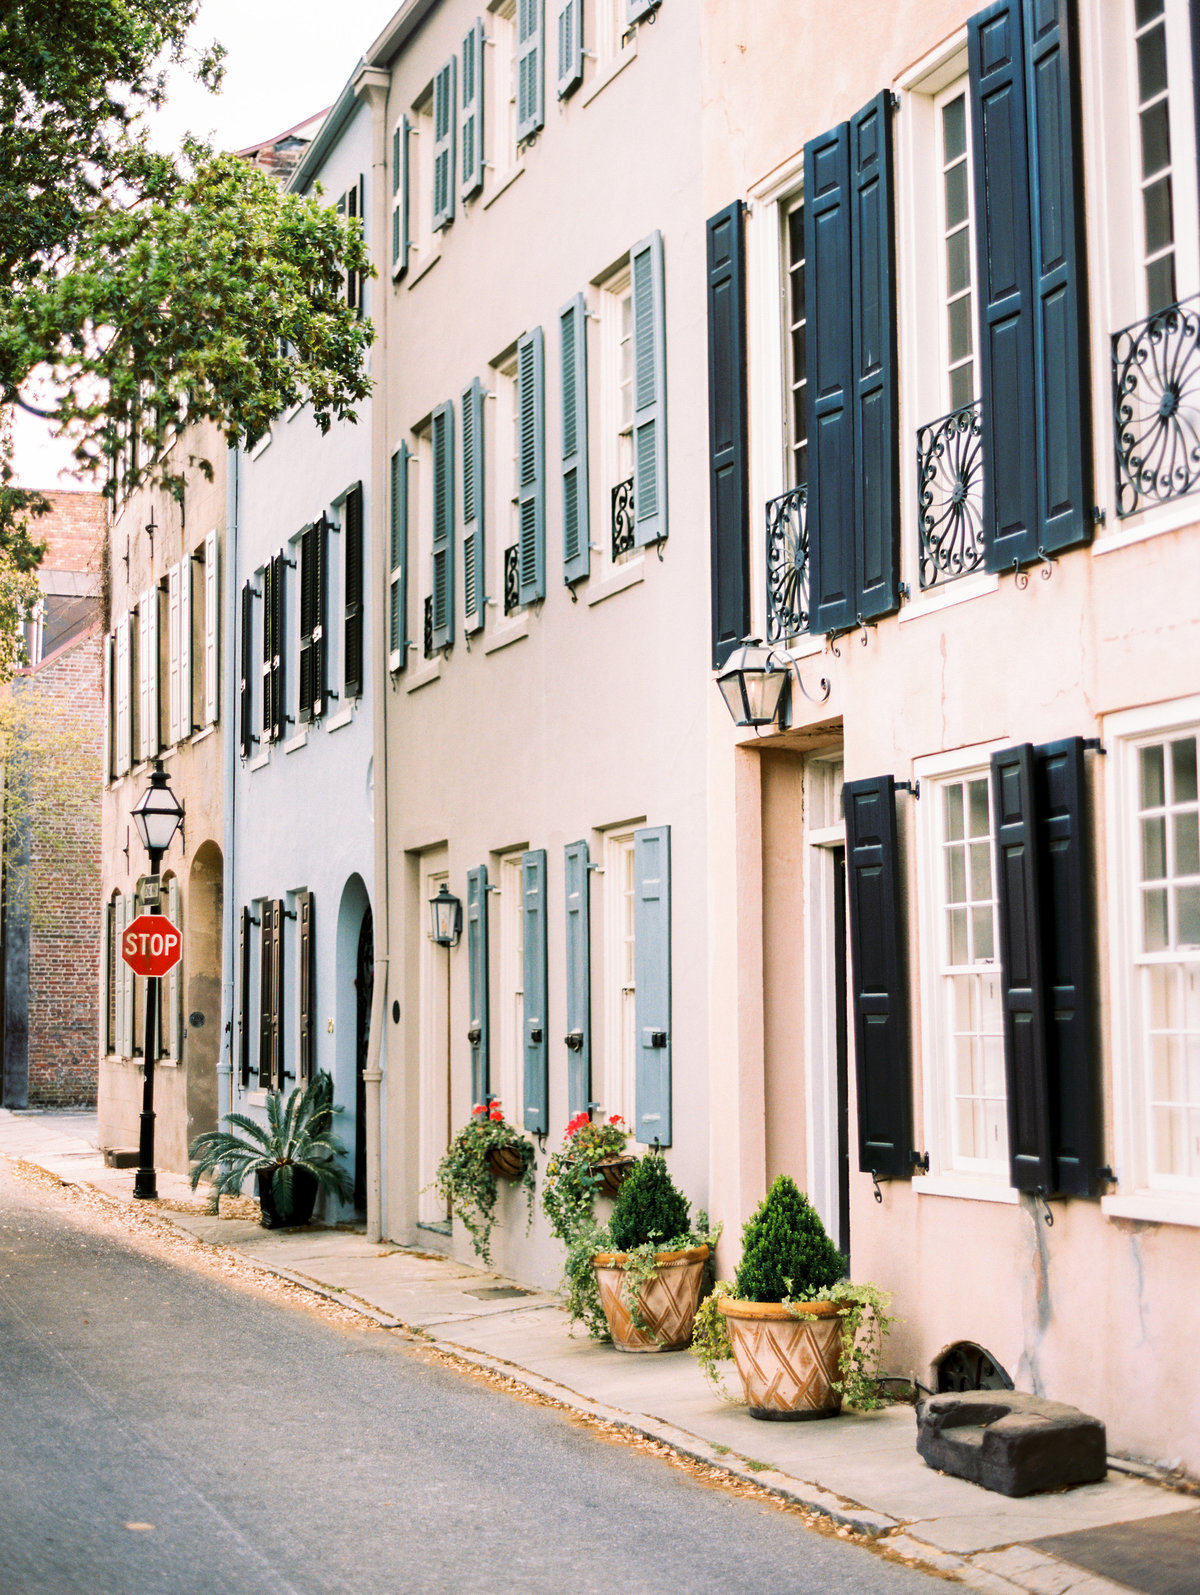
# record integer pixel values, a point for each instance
(64, 885)
(73, 529)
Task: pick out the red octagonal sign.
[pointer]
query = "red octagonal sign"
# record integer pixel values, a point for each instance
(151, 945)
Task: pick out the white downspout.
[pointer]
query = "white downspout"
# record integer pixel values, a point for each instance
(229, 758)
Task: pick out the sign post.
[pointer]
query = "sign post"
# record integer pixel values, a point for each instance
(151, 946)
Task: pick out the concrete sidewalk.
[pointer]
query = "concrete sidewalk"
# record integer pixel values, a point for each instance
(862, 1469)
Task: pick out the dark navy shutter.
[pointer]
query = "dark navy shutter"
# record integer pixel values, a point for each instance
(398, 562)
(1023, 988)
(320, 646)
(878, 979)
(308, 582)
(445, 107)
(1059, 277)
(1194, 21)
(474, 568)
(477, 969)
(572, 322)
(1006, 362)
(728, 409)
(531, 468)
(1069, 947)
(352, 538)
(579, 1027)
(876, 398)
(279, 657)
(533, 907)
(471, 159)
(246, 680)
(830, 387)
(652, 982)
(306, 1033)
(268, 646)
(244, 1000)
(530, 68)
(442, 576)
(648, 292)
(570, 46)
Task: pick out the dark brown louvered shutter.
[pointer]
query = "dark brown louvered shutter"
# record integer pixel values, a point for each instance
(266, 1000)
(728, 411)
(244, 1000)
(353, 533)
(879, 989)
(1023, 985)
(277, 1064)
(307, 947)
(245, 684)
(308, 576)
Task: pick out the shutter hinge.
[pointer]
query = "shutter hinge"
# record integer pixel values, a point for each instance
(908, 786)
(1098, 515)
(893, 99)
(597, 868)
(1108, 1174)
(876, 1184)
(919, 1160)
(1094, 745)
(289, 913)
(905, 592)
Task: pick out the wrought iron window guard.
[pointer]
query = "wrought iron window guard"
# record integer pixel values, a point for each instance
(429, 626)
(950, 495)
(512, 579)
(787, 564)
(622, 519)
(1156, 407)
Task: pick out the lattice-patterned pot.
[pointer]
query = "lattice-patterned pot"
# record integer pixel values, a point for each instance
(668, 1303)
(787, 1362)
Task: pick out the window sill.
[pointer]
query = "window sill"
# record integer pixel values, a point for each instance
(961, 591)
(256, 1098)
(201, 736)
(507, 635)
(261, 447)
(1149, 523)
(260, 760)
(966, 1188)
(611, 70)
(503, 183)
(430, 672)
(166, 753)
(437, 1226)
(1154, 1207)
(616, 581)
(423, 267)
(342, 718)
(300, 740)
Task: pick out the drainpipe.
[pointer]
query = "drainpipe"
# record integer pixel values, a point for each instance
(372, 85)
(228, 784)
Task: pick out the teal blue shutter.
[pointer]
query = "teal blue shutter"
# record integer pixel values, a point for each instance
(444, 121)
(474, 568)
(477, 964)
(531, 68)
(531, 467)
(652, 982)
(728, 432)
(570, 46)
(472, 111)
(579, 1026)
(1002, 262)
(876, 397)
(442, 440)
(830, 387)
(649, 392)
(1059, 281)
(537, 1082)
(398, 563)
(572, 321)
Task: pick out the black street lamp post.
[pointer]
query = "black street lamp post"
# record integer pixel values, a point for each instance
(157, 816)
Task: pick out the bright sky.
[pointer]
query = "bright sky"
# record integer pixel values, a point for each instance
(285, 60)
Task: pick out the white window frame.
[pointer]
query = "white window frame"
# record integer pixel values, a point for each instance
(983, 1180)
(824, 830)
(615, 454)
(425, 242)
(510, 1008)
(504, 159)
(433, 1121)
(619, 1070)
(1138, 1194)
(503, 509)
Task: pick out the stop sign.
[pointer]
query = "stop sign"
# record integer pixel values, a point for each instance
(151, 945)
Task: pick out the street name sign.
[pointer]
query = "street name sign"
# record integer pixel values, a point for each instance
(151, 945)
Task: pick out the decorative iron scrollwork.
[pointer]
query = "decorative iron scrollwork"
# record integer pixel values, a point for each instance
(512, 579)
(950, 495)
(1156, 407)
(429, 626)
(622, 519)
(787, 565)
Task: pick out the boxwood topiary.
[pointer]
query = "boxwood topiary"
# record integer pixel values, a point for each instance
(785, 1250)
(648, 1207)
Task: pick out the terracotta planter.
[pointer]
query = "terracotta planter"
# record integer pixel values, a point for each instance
(304, 1197)
(614, 1171)
(668, 1303)
(787, 1363)
(505, 1162)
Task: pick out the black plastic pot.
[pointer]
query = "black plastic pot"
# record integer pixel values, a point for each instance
(300, 1211)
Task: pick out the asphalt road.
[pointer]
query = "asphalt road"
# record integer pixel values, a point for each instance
(164, 1431)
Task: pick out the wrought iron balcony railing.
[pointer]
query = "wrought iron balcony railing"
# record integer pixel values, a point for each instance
(787, 565)
(622, 519)
(1156, 407)
(950, 495)
(512, 579)
(429, 626)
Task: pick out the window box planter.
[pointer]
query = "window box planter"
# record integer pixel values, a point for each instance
(787, 1356)
(506, 1162)
(667, 1303)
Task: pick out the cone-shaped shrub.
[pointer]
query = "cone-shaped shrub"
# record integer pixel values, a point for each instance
(785, 1250)
(648, 1207)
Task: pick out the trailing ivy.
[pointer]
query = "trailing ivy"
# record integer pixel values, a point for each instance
(464, 1178)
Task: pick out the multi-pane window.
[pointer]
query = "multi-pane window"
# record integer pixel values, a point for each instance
(795, 315)
(969, 1016)
(1168, 958)
(957, 250)
(1154, 150)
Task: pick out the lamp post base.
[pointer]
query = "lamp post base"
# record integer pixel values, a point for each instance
(145, 1186)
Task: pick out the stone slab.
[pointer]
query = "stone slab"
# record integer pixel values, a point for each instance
(1159, 1556)
(1011, 1442)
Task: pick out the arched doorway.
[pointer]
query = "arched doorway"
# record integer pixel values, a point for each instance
(364, 986)
(201, 1016)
